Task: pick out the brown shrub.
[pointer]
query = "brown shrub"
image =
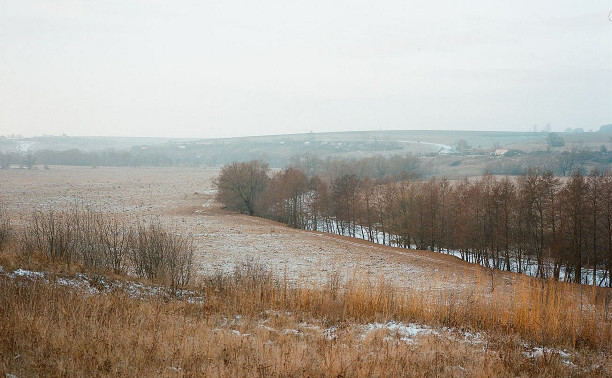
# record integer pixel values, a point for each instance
(103, 243)
(164, 257)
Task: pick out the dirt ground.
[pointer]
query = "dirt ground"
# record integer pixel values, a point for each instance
(182, 199)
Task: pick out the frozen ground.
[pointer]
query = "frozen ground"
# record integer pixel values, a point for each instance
(94, 284)
(183, 200)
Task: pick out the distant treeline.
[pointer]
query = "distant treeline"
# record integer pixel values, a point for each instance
(76, 157)
(514, 162)
(209, 154)
(535, 224)
(372, 164)
(561, 163)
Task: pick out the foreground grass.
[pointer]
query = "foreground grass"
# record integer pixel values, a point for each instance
(254, 324)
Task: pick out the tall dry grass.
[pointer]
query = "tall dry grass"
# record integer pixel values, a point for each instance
(52, 331)
(5, 225)
(545, 312)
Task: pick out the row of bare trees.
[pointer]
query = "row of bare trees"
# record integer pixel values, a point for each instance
(534, 223)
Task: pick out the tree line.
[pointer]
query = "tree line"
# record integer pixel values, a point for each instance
(514, 162)
(136, 157)
(534, 223)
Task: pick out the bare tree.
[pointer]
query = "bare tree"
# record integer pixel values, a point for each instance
(534, 221)
(594, 198)
(462, 146)
(285, 199)
(607, 220)
(240, 185)
(344, 197)
(6, 159)
(574, 198)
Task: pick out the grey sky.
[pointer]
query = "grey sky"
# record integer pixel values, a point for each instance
(232, 68)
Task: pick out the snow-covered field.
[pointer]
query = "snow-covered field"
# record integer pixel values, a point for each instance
(182, 199)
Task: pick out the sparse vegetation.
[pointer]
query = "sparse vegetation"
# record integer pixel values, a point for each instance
(103, 243)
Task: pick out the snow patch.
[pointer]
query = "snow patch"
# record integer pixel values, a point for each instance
(539, 352)
(330, 333)
(405, 332)
(77, 284)
(96, 284)
(291, 332)
(473, 338)
(28, 273)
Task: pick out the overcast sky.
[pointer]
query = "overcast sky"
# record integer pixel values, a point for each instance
(208, 68)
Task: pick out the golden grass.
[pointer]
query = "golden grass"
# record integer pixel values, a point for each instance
(241, 330)
(541, 311)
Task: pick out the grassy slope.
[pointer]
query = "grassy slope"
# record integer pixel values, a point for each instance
(252, 324)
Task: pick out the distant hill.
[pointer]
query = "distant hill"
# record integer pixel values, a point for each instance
(451, 153)
(419, 141)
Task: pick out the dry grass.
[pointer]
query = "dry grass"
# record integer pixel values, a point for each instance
(5, 225)
(253, 324)
(540, 311)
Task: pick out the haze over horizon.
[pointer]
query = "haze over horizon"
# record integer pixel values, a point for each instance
(238, 68)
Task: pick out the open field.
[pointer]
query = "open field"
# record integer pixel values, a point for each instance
(183, 200)
(324, 305)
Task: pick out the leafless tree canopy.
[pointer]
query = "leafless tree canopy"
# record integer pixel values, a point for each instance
(240, 185)
(531, 224)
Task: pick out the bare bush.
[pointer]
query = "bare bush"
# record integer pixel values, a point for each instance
(78, 235)
(158, 255)
(115, 237)
(49, 234)
(102, 242)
